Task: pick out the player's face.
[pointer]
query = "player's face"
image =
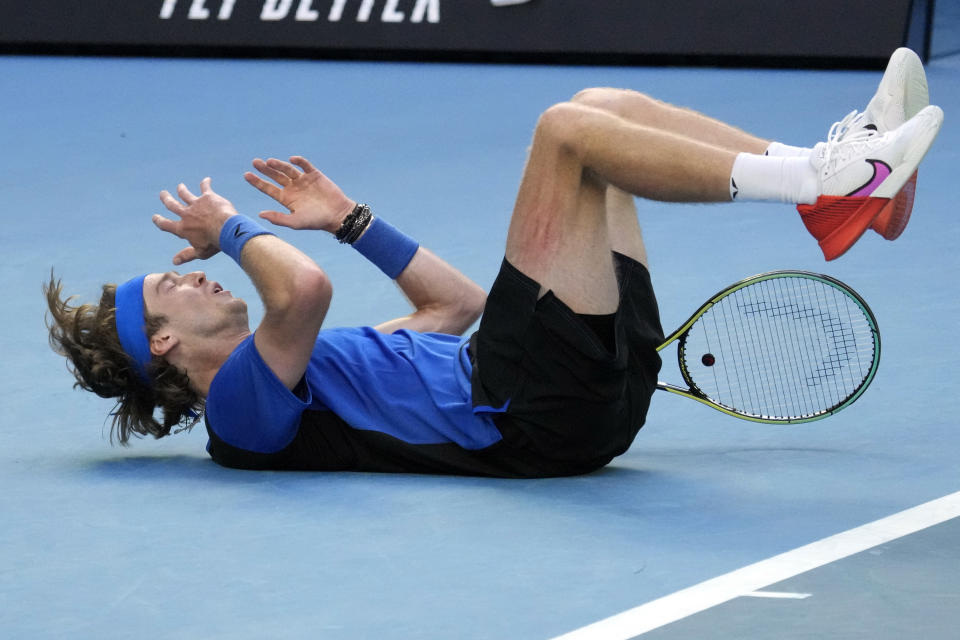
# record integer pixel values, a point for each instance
(192, 303)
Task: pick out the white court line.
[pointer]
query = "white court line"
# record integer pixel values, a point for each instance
(749, 579)
(778, 594)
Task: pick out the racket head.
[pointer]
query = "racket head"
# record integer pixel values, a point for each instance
(779, 347)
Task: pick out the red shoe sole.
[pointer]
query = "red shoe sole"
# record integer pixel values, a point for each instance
(894, 218)
(837, 222)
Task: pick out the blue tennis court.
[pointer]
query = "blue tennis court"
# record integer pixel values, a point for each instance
(157, 541)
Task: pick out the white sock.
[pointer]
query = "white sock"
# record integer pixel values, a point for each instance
(771, 178)
(779, 149)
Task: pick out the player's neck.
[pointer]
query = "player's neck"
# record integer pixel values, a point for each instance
(204, 359)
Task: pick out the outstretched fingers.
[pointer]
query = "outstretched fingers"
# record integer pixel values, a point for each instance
(200, 220)
(185, 194)
(171, 226)
(303, 163)
(172, 204)
(259, 183)
(185, 255)
(165, 224)
(271, 172)
(285, 168)
(279, 219)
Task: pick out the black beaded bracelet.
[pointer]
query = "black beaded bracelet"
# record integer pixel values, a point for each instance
(354, 224)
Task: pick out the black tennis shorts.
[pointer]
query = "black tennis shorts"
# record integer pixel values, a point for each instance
(573, 405)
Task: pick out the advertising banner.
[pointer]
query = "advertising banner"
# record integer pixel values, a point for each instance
(522, 30)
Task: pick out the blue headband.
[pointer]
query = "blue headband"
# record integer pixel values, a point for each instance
(131, 326)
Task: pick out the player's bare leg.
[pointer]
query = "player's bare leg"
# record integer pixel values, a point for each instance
(624, 226)
(559, 233)
(643, 109)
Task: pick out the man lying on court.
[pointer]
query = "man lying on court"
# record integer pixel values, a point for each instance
(558, 378)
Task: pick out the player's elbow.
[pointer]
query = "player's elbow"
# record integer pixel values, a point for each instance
(317, 288)
(467, 309)
(474, 302)
(311, 293)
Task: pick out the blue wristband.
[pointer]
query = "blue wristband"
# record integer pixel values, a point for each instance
(236, 232)
(385, 246)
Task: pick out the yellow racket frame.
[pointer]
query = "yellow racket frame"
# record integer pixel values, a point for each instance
(693, 394)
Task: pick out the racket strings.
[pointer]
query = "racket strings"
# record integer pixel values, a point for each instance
(785, 347)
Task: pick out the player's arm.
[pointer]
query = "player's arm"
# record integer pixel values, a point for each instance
(444, 299)
(294, 290)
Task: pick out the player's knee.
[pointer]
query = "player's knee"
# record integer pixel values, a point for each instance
(560, 125)
(597, 97)
(620, 102)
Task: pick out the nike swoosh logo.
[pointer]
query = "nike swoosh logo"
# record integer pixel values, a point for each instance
(237, 232)
(734, 189)
(881, 171)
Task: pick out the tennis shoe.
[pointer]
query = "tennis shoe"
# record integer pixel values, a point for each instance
(902, 93)
(861, 172)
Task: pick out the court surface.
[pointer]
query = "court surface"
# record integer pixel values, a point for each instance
(156, 541)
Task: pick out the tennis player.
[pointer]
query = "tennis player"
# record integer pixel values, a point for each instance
(557, 380)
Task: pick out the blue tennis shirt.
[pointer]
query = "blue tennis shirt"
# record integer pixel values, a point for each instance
(364, 396)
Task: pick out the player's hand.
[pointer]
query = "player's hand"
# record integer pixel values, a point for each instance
(201, 219)
(314, 201)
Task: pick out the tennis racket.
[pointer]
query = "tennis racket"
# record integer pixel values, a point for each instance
(779, 347)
